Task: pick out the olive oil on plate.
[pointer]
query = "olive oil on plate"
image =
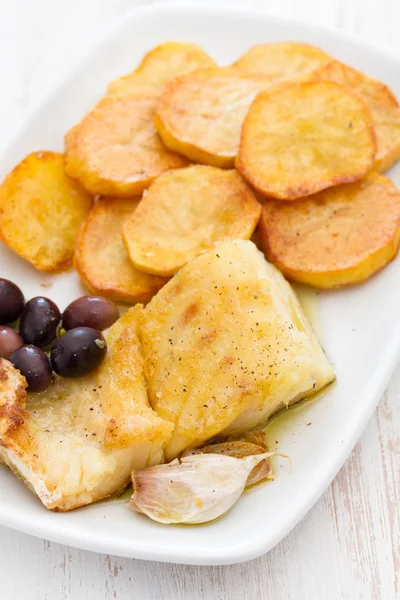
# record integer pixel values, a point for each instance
(286, 419)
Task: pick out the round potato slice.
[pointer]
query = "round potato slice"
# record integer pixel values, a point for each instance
(115, 149)
(300, 138)
(201, 113)
(40, 211)
(185, 213)
(380, 101)
(340, 236)
(158, 66)
(101, 258)
(282, 61)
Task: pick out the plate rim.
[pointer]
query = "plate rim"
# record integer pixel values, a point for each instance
(219, 6)
(255, 546)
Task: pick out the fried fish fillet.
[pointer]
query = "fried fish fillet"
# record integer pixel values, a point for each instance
(226, 345)
(78, 441)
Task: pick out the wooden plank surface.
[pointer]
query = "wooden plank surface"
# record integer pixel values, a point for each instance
(348, 546)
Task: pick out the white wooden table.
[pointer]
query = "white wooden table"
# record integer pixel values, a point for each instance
(348, 546)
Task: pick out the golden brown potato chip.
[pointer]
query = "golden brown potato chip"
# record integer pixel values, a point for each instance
(115, 149)
(40, 211)
(300, 138)
(158, 66)
(201, 113)
(102, 260)
(340, 236)
(282, 61)
(185, 213)
(381, 102)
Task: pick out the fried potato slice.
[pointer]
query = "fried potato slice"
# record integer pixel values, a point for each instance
(41, 210)
(380, 101)
(226, 345)
(115, 149)
(102, 260)
(78, 441)
(201, 113)
(340, 236)
(283, 61)
(158, 66)
(185, 213)
(300, 138)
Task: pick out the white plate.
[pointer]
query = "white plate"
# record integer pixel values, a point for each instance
(361, 328)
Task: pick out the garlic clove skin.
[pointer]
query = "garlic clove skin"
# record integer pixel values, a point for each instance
(194, 489)
(239, 449)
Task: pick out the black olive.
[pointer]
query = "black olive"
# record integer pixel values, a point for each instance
(78, 352)
(9, 341)
(39, 321)
(11, 301)
(90, 311)
(34, 365)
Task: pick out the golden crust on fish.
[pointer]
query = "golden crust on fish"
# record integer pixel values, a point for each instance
(200, 114)
(185, 213)
(115, 150)
(102, 260)
(226, 345)
(158, 66)
(300, 138)
(337, 237)
(282, 61)
(41, 210)
(81, 438)
(380, 101)
(12, 399)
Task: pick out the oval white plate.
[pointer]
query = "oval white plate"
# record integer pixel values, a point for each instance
(361, 328)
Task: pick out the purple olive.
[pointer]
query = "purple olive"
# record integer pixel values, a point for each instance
(39, 321)
(78, 352)
(90, 311)
(9, 341)
(34, 366)
(11, 301)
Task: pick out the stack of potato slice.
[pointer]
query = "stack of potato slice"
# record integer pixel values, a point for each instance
(287, 133)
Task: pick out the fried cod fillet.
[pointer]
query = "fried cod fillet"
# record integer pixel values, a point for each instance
(78, 441)
(226, 345)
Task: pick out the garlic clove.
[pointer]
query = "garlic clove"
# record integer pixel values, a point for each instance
(239, 449)
(193, 489)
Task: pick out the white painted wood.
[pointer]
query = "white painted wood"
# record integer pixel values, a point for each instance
(348, 546)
